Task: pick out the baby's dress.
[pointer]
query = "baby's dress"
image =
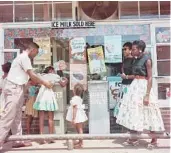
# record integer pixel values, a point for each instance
(80, 115)
(46, 98)
(30, 102)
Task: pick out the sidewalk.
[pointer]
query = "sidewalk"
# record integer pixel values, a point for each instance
(92, 146)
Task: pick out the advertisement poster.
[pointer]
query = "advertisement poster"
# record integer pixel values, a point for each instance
(113, 49)
(77, 48)
(114, 85)
(96, 60)
(44, 55)
(78, 74)
(163, 34)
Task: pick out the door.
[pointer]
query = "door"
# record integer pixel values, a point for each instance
(161, 62)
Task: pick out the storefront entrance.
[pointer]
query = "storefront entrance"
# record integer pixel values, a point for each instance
(155, 36)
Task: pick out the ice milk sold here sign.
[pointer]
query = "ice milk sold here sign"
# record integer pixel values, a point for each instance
(72, 24)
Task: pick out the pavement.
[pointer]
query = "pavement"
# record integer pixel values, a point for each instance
(92, 146)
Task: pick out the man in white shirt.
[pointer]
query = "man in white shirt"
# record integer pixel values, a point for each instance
(18, 76)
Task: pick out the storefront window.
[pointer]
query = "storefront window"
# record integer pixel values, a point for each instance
(163, 68)
(62, 10)
(6, 2)
(22, 2)
(128, 10)
(163, 90)
(42, 12)
(163, 60)
(149, 9)
(164, 8)
(6, 13)
(23, 12)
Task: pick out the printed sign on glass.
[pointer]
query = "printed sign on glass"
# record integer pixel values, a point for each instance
(163, 34)
(77, 50)
(114, 86)
(44, 55)
(78, 74)
(113, 49)
(96, 60)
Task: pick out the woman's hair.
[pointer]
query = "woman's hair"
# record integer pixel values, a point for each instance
(140, 44)
(128, 44)
(6, 67)
(47, 69)
(78, 89)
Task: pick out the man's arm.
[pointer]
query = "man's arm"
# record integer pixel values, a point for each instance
(38, 80)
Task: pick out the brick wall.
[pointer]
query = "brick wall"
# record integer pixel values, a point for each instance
(114, 128)
(166, 118)
(34, 127)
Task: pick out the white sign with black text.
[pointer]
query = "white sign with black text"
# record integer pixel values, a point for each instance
(73, 24)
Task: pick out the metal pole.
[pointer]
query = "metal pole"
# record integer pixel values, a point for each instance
(87, 136)
(70, 137)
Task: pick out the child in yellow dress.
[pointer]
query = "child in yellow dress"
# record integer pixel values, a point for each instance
(29, 111)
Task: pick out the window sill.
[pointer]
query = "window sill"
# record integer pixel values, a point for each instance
(164, 103)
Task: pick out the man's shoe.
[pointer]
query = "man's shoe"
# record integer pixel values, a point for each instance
(22, 144)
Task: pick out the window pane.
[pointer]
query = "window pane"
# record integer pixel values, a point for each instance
(163, 52)
(43, 12)
(163, 68)
(22, 2)
(6, 2)
(149, 9)
(6, 13)
(62, 10)
(163, 90)
(23, 13)
(128, 10)
(165, 8)
(41, 2)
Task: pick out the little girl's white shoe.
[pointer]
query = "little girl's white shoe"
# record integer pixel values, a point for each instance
(135, 143)
(152, 145)
(131, 143)
(128, 142)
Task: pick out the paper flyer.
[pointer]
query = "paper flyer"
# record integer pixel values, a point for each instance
(96, 60)
(78, 74)
(44, 55)
(77, 48)
(114, 85)
(113, 49)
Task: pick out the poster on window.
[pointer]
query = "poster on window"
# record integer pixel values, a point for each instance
(114, 86)
(44, 55)
(163, 34)
(77, 47)
(78, 74)
(96, 60)
(113, 49)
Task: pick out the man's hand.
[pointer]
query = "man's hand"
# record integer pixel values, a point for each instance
(37, 79)
(146, 100)
(48, 84)
(63, 82)
(123, 76)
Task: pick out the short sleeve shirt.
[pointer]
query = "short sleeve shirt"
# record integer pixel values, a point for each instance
(20, 66)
